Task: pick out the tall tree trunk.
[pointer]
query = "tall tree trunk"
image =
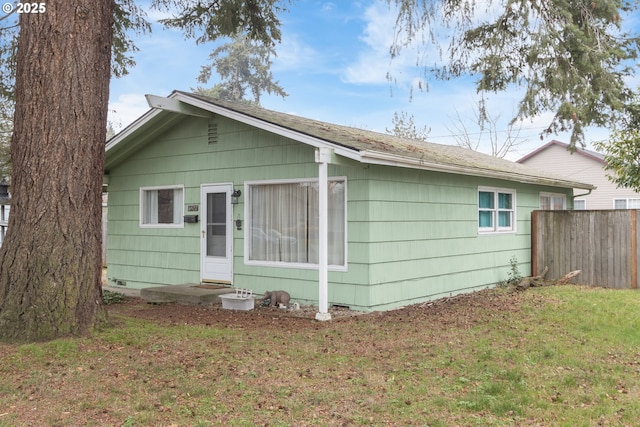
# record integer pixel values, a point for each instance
(50, 262)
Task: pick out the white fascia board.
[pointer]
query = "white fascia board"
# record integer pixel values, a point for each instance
(175, 106)
(132, 128)
(375, 157)
(269, 127)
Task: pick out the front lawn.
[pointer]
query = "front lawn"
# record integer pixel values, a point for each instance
(552, 356)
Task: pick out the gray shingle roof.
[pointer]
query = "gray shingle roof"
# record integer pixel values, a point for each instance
(372, 145)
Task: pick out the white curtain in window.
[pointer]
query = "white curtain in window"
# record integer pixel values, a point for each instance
(633, 203)
(558, 203)
(545, 203)
(150, 207)
(284, 222)
(620, 204)
(337, 222)
(177, 206)
(279, 214)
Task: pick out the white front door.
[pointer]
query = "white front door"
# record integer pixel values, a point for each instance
(216, 232)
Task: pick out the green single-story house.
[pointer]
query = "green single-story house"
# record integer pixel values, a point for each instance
(202, 190)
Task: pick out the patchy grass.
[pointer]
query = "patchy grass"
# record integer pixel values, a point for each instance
(555, 356)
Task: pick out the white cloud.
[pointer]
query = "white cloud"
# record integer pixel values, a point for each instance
(127, 108)
(373, 65)
(294, 54)
(328, 6)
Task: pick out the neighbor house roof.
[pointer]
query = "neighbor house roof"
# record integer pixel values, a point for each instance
(553, 143)
(357, 144)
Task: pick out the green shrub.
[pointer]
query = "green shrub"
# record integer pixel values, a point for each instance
(514, 274)
(109, 297)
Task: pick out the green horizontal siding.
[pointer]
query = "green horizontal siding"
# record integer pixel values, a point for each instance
(182, 156)
(423, 236)
(412, 235)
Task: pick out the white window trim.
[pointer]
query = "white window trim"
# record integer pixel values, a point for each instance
(496, 229)
(160, 187)
(552, 195)
(626, 202)
(294, 265)
(579, 200)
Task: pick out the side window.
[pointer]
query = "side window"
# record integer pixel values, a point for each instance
(579, 204)
(552, 201)
(496, 210)
(161, 207)
(626, 203)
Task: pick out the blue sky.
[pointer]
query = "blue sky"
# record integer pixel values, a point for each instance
(333, 62)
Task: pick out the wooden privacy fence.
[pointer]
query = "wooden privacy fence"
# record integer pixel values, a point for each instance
(602, 244)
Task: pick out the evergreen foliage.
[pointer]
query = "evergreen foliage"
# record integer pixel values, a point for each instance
(570, 56)
(622, 150)
(244, 66)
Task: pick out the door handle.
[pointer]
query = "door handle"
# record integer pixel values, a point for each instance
(203, 234)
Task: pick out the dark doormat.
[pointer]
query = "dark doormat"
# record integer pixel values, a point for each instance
(211, 286)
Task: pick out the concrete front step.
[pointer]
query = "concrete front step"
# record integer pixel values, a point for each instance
(188, 294)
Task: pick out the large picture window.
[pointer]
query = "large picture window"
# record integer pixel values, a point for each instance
(283, 222)
(496, 210)
(161, 207)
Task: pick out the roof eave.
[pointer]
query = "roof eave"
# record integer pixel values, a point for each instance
(551, 143)
(375, 157)
(268, 126)
(362, 156)
(131, 129)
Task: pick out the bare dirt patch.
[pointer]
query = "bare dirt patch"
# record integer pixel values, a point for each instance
(458, 310)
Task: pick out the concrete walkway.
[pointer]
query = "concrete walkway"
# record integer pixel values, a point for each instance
(189, 294)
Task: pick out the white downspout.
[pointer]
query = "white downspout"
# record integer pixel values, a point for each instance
(323, 156)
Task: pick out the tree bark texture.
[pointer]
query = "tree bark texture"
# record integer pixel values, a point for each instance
(50, 261)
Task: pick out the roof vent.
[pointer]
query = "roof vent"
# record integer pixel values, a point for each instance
(213, 132)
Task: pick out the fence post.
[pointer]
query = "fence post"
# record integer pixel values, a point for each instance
(534, 243)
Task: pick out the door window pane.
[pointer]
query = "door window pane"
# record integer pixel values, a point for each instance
(216, 224)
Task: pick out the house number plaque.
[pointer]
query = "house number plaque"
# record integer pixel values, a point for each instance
(193, 208)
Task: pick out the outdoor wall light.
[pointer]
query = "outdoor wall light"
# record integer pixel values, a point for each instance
(235, 196)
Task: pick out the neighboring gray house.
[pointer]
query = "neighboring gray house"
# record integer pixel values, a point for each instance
(584, 166)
